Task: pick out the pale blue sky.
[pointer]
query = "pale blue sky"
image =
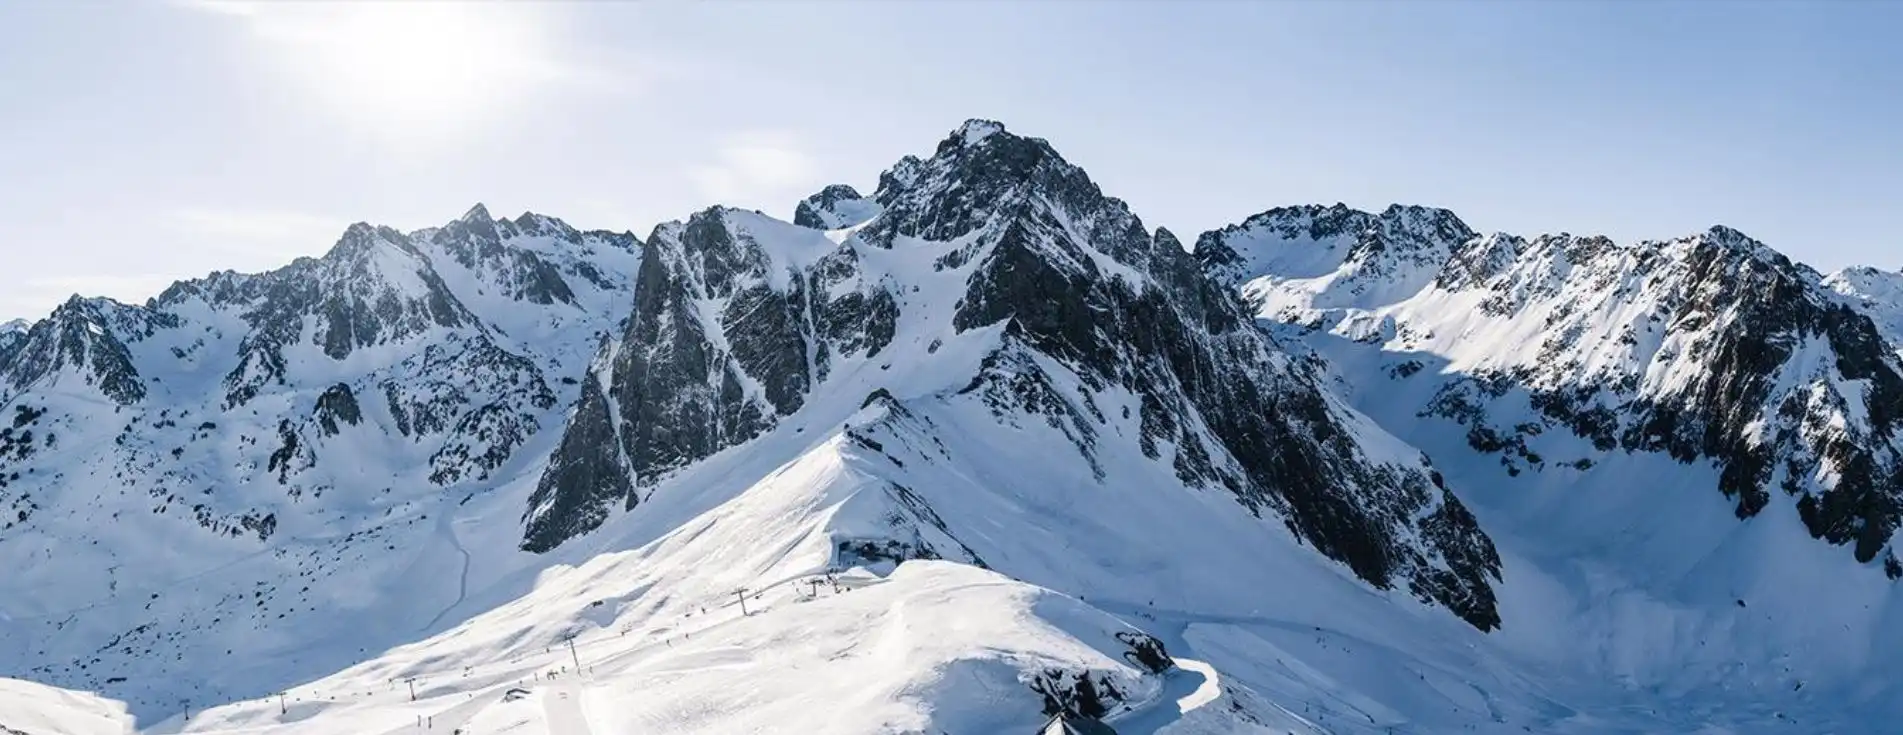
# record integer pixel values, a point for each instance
(143, 142)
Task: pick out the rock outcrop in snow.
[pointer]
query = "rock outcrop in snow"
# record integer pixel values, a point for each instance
(835, 207)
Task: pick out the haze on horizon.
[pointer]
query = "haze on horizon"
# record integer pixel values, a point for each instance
(145, 142)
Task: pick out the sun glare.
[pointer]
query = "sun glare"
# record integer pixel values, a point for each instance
(415, 69)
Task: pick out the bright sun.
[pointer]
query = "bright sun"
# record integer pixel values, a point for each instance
(416, 69)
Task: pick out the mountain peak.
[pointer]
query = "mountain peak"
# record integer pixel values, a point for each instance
(532, 223)
(1734, 244)
(983, 177)
(360, 239)
(1728, 237)
(80, 337)
(988, 135)
(476, 214)
(976, 130)
(1432, 223)
(834, 207)
(839, 191)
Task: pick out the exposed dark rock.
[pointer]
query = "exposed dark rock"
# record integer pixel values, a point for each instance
(574, 498)
(1146, 651)
(1075, 694)
(676, 395)
(337, 404)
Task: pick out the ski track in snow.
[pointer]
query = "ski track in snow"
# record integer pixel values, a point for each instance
(446, 523)
(449, 720)
(1186, 689)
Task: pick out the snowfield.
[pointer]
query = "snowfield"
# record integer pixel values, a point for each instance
(35, 709)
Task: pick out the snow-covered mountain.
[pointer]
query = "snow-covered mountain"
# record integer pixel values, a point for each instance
(228, 465)
(1876, 293)
(997, 275)
(977, 453)
(1654, 430)
(12, 335)
(988, 362)
(1712, 348)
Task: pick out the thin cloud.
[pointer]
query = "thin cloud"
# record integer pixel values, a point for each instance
(508, 43)
(755, 167)
(197, 240)
(30, 300)
(424, 77)
(266, 232)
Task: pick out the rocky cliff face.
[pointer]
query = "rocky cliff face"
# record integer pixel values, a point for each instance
(736, 316)
(1089, 323)
(1711, 348)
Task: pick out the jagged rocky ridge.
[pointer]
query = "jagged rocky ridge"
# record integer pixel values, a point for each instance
(292, 421)
(1710, 348)
(1089, 323)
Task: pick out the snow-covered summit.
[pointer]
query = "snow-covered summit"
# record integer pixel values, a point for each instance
(1393, 249)
(1875, 292)
(833, 208)
(477, 214)
(975, 131)
(79, 344)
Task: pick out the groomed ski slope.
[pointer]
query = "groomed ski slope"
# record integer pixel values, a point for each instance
(930, 646)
